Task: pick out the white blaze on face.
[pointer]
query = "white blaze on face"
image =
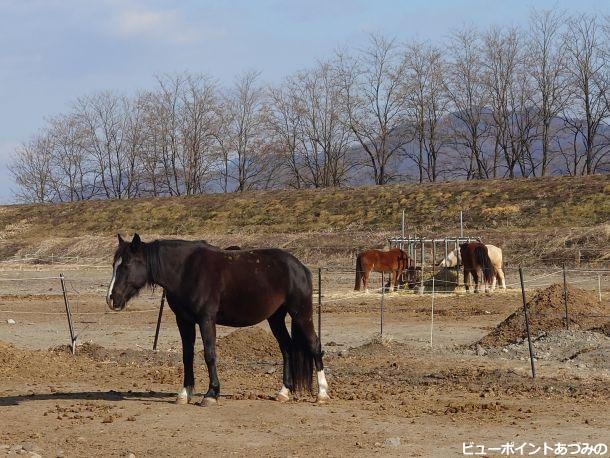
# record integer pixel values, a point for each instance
(322, 385)
(114, 270)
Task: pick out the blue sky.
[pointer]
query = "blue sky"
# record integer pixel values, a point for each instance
(52, 51)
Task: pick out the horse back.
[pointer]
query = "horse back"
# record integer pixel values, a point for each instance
(384, 261)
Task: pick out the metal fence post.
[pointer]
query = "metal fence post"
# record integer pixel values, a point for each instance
(159, 320)
(320, 305)
(68, 313)
(565, 297)
(382, 298)
(527, 324)
(461, 223)
(446, 276)
(433, 257)
(459, 263)
(421, 281)
(402, 229)
(432, 314)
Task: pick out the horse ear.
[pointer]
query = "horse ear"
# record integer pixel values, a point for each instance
(135, 242)
(121, 241)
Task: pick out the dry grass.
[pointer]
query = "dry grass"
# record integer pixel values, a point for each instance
(549, 216)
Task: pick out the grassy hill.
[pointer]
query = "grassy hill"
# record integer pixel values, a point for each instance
(571, 210)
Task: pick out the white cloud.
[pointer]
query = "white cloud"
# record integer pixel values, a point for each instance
(168, 25)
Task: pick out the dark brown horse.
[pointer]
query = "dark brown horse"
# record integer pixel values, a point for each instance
(394, 261)
(475, 258)
(206, 286)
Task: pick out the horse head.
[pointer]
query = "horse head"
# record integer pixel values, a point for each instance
(450, 261)
(129, 272)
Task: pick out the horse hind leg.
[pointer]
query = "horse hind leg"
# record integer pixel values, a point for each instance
(303, 333)
(277, 323)
(475, 278)
(501, 279)
(467, 279)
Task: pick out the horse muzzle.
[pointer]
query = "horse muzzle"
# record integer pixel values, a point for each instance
(113, 305)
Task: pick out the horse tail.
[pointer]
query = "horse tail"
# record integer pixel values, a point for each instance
(358, 272)
(483, 260)
(301, 362)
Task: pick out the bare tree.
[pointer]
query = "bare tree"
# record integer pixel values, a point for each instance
(104, 120)
(372, 88)
(588, 74)
(284, 126)
(506, 83)
(166, 111)
(31, 169)
(74, 175)
(546, 59)
(318, 141)
(428, 106)
(245, 145)
(469, 102)
(504, 102)
(198, 127)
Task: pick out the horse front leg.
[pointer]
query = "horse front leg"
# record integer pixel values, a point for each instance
(187, 334)
(394, 281)
(208, 335)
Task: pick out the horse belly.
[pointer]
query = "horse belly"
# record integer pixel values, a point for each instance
(244, 311)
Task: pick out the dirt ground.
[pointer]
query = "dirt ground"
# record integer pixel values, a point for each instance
(395, 395)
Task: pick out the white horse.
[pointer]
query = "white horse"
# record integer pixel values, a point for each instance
(495, 255)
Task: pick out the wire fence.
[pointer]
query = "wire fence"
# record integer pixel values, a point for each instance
(79, 295)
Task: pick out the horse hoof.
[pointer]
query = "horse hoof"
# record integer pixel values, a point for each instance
(323, 398)
(281, 397)
(184, 396)
(182, 400)
(208, 402)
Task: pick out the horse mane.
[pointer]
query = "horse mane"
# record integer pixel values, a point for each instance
(153, 263)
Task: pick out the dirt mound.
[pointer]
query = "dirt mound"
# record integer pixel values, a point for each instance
(125, 356)
(579, 348)
(546, 312)
(603, 328)
(247, 343)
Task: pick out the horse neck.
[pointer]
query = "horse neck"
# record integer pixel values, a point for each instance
(164, 264)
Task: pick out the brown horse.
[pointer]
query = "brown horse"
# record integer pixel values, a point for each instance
(206, 286)
(474, 258)
(394, 261)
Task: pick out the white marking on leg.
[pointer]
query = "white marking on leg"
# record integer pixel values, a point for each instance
(284, 394)
(322, 387)
(185, 395)
(114, 269)
(502, 279)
